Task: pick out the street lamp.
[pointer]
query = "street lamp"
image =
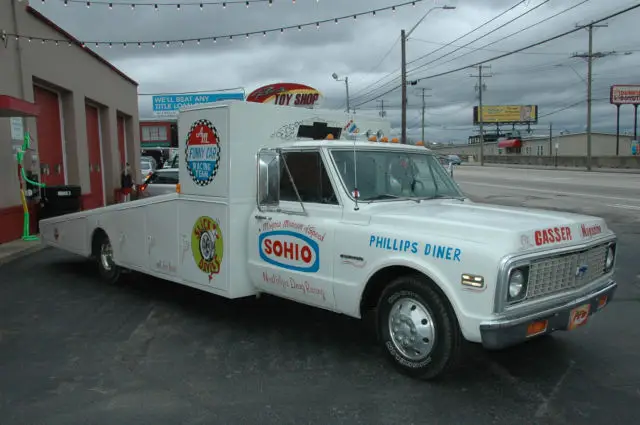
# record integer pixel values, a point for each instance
(346, 83)
(403, 40)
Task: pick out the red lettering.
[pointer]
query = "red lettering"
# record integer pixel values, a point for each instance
(288, 249)
(590, 230)
(552, 235)
(277, 248)
(306, 254)
(267, 246)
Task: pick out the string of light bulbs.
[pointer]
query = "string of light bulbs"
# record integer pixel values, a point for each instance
(178, 6)
(199, 40)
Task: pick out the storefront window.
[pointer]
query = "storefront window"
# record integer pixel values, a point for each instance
(154, 133)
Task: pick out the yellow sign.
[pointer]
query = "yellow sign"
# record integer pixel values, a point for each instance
(207, 245)
(507, 114)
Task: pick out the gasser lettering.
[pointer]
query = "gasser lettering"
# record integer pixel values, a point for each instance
(589, 231)
(441, 252)
(552, 235)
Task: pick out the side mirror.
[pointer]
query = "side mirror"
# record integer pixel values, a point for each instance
(268, 194)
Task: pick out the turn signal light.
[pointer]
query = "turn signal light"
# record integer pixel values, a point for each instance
(602, 301)
(537, 327)
(177, 187)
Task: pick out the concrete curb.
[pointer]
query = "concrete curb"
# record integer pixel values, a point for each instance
(534, 167)
(22, 253)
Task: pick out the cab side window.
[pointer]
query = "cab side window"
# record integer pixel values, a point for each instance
(310, 177)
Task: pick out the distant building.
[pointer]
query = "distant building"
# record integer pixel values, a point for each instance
(158, 133)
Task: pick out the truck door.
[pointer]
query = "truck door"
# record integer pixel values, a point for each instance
(291, 243)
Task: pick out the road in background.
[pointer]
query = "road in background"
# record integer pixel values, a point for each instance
(74, 350)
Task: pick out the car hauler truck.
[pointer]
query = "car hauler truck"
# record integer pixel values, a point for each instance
(266, 204)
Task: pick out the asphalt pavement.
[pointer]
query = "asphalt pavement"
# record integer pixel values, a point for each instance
(76, 351)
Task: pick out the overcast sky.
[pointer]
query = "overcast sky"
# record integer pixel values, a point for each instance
(367, 49)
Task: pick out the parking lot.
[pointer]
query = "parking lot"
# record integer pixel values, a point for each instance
(74, 350)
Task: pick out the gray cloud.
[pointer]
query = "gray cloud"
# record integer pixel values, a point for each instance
(364, 50)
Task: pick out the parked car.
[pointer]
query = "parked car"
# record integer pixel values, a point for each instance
(455, 159)
(146, 168)
(160, 182)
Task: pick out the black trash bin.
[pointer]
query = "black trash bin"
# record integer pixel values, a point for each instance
(59, 200)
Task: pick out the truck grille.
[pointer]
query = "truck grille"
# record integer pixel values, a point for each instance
(565, 272)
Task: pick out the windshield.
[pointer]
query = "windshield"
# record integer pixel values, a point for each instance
(395, 174)
(145, 165)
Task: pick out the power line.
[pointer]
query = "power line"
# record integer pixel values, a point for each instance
(530, 46)
(457, 39)
(215, 38)
(481, 37)
(193, 92)
(508, 36)
(488, 50)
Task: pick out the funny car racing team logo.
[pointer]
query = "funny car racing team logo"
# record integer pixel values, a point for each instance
(207, 245)
(202, 152)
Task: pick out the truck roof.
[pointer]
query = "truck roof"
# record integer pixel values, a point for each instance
(360, 144)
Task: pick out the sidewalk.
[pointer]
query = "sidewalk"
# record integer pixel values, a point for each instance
(15, 249)
(543, 167)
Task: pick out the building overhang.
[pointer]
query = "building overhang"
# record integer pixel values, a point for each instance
(13, 107)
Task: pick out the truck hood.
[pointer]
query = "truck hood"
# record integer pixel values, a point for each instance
(514, 228)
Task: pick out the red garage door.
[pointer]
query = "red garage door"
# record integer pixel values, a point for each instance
(49, 136)
(96, 197)
(122, 146)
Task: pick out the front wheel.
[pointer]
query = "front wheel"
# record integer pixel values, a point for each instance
(109, 270)
(417, 328)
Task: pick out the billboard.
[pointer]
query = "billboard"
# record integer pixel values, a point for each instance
(169, 105)
(507, 114)
(286, 94)
(625, 95)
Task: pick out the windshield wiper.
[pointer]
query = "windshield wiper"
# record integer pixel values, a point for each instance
(459, 198)
(390, 196)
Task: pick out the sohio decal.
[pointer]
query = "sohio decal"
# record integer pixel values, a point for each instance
(202, 152)
(289, 250)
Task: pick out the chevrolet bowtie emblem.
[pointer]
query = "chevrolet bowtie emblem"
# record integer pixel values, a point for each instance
(581, 270)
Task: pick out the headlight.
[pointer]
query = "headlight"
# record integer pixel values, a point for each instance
(517, 284)
(609, 259)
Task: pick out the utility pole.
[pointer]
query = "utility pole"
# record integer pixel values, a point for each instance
(550, 139)
(481, 87)
(382, 112)
(403, 49)
(424, 106)
(589, 56)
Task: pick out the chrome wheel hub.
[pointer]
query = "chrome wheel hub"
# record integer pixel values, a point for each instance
(411, 328)
(106, 255)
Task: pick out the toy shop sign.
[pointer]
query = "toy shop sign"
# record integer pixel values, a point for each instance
(286, 94)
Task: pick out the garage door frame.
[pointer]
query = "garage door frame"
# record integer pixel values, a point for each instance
(101, 145)
(62, 130)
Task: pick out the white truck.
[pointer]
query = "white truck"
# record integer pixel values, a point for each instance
(282, 201)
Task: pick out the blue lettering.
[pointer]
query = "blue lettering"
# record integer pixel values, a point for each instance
(449, 253)
(440, 254)
(372, 239)
(395, 244)
(407, 244)
(379, 242)
(414, 247)
(388, 244)
(456, 255)
(427, 249)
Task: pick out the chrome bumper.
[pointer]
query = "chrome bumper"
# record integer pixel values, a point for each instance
(512, 330)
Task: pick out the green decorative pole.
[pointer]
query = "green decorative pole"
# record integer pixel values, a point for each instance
(20, 156)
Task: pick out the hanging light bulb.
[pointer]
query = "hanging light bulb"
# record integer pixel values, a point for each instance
(336, 20)
(198, 42)
(178, 7)
(247, 35)
(168, 44)
(247, 3)
(66, 2)
(124, 45)
(317, 25)
(224, 5)
(299, 28)
(110, 45)
(201, 6)
(153, 44)
(139, 45)
(264, 33)
(215, 40)
(133, 7)
(88, 4)
(270, 3)
(110, 6)
(155, 7)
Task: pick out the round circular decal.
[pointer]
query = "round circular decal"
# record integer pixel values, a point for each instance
(202, 152)
(207, 245)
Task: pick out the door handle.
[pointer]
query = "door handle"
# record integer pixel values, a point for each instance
(262, 217)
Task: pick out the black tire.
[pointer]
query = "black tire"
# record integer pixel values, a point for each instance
(438, 328)
(109, 271)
